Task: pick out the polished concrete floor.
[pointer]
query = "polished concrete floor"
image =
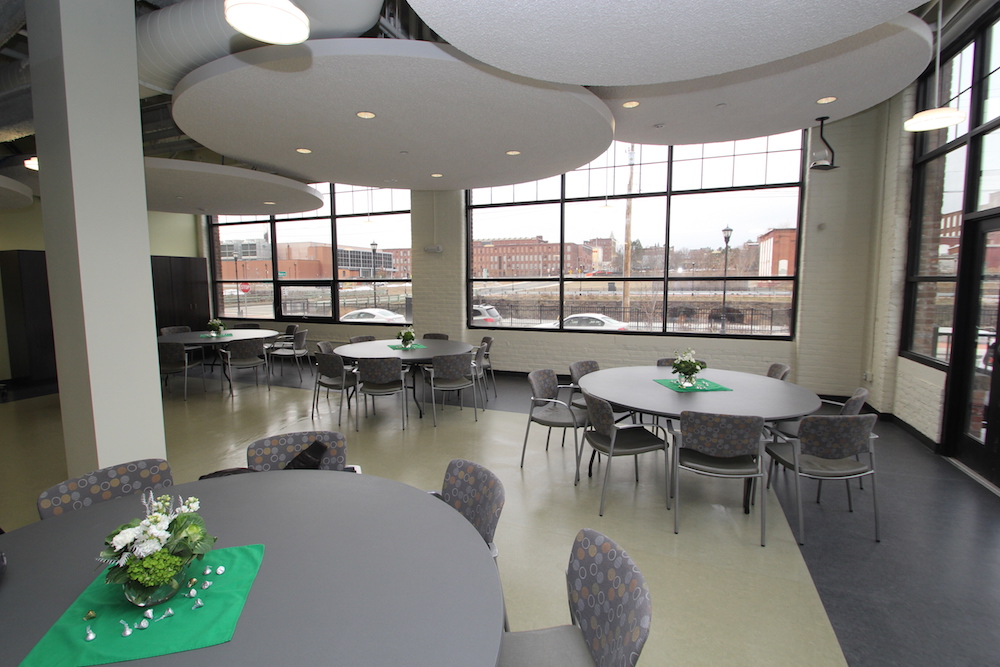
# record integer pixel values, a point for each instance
(927, 594)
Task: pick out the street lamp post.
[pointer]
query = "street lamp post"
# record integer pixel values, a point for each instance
(237, 256)
(374, 286)
(726, 234)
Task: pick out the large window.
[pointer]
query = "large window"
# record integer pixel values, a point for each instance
(698, 239)
(284, 267)
(956, 184)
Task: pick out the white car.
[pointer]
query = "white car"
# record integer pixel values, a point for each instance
(587, 322)
(373, 315)
(486, 316)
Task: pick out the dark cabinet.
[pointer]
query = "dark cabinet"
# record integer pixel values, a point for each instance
(181, 292)
(28, 316)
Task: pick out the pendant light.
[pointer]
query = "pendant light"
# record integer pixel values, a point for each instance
(820, 152)
(939, 117)
(271, 21)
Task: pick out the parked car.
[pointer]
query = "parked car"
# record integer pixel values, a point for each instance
(733, 315)
(587, 322)
(486, 316)
(373, 315)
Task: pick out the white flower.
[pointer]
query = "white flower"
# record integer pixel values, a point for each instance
(147, 547)
(190, 506)
(125, 538)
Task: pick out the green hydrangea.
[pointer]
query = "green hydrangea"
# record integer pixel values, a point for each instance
(155, 569)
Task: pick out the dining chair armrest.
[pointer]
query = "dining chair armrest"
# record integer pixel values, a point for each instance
(549, 400)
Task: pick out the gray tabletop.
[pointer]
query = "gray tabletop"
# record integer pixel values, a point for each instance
(357, 570)
(379, 349)
(756, 395)
(201, 337)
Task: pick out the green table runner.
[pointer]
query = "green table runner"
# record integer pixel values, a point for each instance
(700, 384)
(214, 623)
(221, 335)
(415, 346)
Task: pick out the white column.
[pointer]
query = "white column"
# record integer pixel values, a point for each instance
(86, 109)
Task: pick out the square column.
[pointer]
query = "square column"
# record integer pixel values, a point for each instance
(85, 87)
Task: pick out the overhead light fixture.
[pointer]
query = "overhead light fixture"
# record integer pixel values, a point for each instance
(513, 152)
(365, 114)
(437, 175)
(826, 100)
(32, 163)
(270, 203)
(939, 117)
(631, 104)
(271, 21)
(820, 152)
(304, 151)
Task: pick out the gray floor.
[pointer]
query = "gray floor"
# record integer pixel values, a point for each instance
(927, 594)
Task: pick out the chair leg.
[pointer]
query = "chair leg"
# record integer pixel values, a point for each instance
(548, 435)
(434, 406)
(185, 383)
(676, 490)
(524, 447)
(819, 489)
(590, 468)
(850, 503)
(636, 459)
(763, 508)
(604, 489)
(875, 503)
(798, 506)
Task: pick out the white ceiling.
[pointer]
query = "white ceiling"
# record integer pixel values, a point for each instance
(635, 42)
(436, 112)
(703, 71)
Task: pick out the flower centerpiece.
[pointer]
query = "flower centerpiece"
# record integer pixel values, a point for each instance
(406, 336)
(687, 367)
(216, 326)
(148, 556)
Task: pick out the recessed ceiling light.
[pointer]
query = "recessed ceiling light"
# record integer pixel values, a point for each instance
(365, 114)
(31, 163)
(304, 151)
(826, 100)
(270, 203)
(436, 175)
(513, 152)
(631, 104)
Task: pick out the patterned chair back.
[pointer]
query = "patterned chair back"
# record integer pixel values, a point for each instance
(325, 346)
(436, 336)
(488, 342)
(853, 405)
(665, 361)
(274, 452)
(452, 366)
(291, 329)
(246, 349)
(330, 365)
(578, 369)
(778, 371)
(361, 339)
(172, 330)
(544, 384)
(172, 355)
(380, 371)
(602, 417)
(609, 599)
(724, 436)
(125, 479)
(479, 358)
(476, 493)
(836, 436)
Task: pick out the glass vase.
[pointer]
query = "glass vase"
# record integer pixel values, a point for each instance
(147, 596)
(687, 380)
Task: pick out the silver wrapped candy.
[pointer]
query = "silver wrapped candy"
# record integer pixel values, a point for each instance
(128, 629)
(220, 570)
(208, 570)
(167, 614)
(197, 603)
(143, 624)
(148, 613)
(90, 634)
(205, 585)
(191, 593)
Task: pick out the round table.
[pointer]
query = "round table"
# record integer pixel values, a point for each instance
(357, 570)
(380, 349)
(634, 388)
(202, 337)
